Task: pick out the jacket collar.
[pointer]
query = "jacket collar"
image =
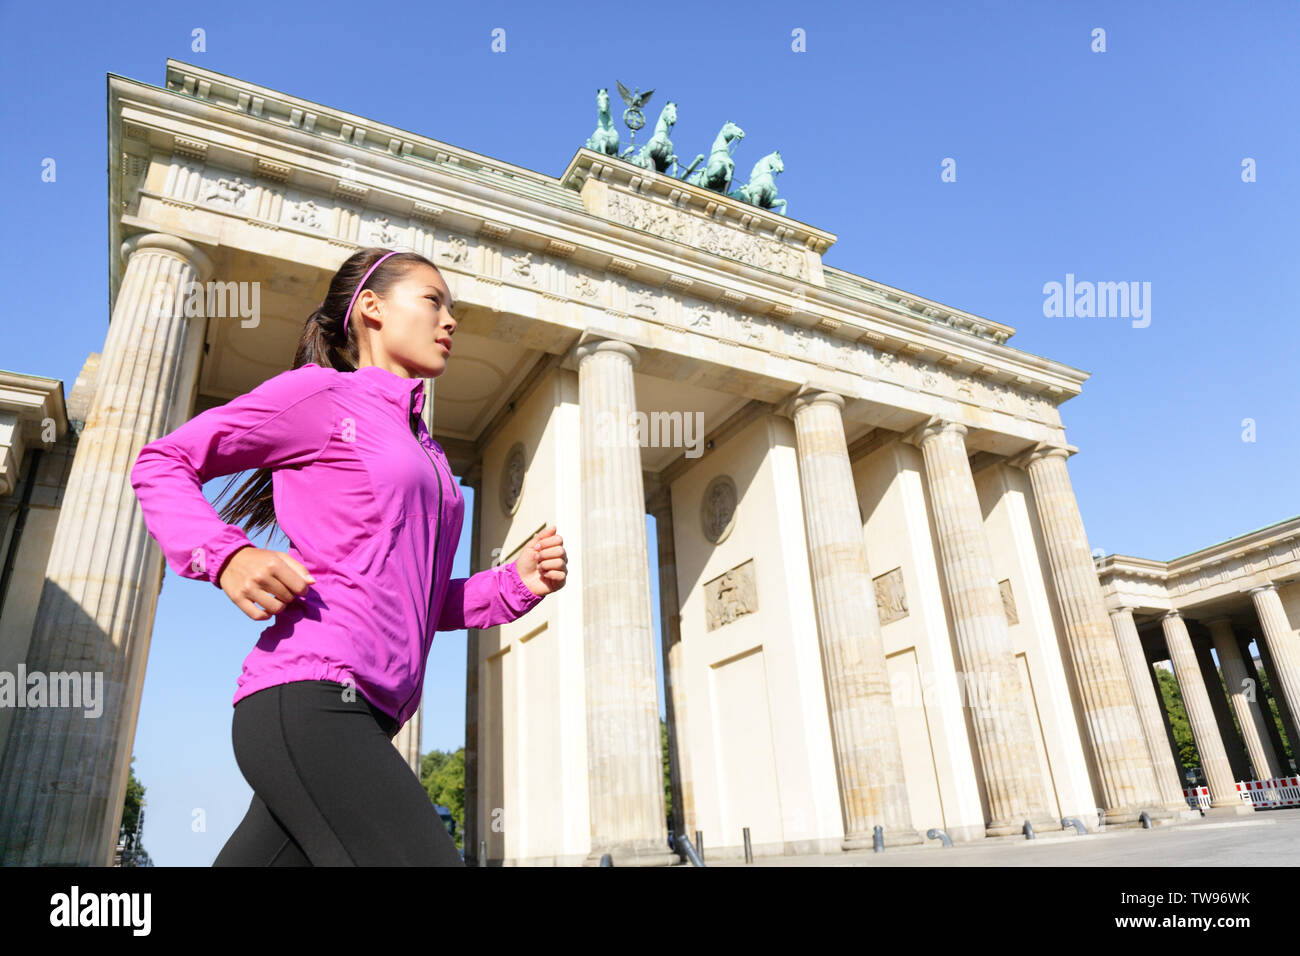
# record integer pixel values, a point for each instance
(406, 393)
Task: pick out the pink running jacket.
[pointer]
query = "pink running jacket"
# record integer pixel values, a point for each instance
(367, 499)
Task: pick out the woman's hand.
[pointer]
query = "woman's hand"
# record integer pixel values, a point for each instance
(542, 563)
(254, 576)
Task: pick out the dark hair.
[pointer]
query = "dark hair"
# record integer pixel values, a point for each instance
(323, 342)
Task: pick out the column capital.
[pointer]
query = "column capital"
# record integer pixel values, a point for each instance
(182, 249)
(1217, 619)
(1120, 609)
(1038, 451)
(808, 395)
(1269, 586)
(934, 425)
(1174, 615)
(598, 343)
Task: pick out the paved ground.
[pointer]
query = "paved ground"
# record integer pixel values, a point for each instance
(1269, 838)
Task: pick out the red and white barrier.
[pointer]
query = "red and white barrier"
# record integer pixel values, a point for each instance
(1260, 794)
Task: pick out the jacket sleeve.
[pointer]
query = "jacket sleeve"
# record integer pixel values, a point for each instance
(491, 597)
(285, 421)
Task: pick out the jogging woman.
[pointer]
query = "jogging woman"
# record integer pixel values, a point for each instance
(346, 468)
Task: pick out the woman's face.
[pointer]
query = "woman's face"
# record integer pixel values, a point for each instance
(411, 327)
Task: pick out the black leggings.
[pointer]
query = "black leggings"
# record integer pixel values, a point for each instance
(329, 787)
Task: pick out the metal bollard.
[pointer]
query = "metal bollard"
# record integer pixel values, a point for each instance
(934, 833)
(1146, 820)
(1029, 831)
(699, 843)
(1073, 822)
(878, 839)
(606, 860)
(749, 850)
(691, 855)
(482, 853)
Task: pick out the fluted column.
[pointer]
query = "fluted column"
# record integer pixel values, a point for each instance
(679, 756)
(1114, 732)
(1249, 713)
(1283, 659)
(864, 731)
(1150, 709)
(1003, 729)
(473, 478)
(625, 770)
(1205, 729)
(1283, 710)
(64, 776)
(1244, 639)
(1232, 744)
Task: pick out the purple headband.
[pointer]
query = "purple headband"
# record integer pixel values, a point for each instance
(360, 286)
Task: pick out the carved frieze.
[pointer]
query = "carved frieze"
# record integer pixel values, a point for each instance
(720, 239)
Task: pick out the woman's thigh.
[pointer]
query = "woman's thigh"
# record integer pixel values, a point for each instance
(332, 778)
(260, 840)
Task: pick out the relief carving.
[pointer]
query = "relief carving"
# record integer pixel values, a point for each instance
(718, 509)
(730, 596)
(1008, 602)
(717, 238)
(891, 596)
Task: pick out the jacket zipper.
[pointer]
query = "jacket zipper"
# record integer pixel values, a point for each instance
(433, 583)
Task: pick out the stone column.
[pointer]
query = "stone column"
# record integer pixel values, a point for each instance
(473, 478)
(64, 777)
(1279, 698)
(864, 732)
(1114, 732)
(1270, 722)
(1150, 709)
(1283, 662)
(1205, 730)
(1246, 699)
(625, 770)
(679, 756)
(1238, 759)
(1003, 729)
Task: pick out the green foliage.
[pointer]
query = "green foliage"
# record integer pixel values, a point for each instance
(668, 780)
(1187, 753)
(131, 831)
(443, 777)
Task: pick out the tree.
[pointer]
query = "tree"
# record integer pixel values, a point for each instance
(668, 778)
(131, 833)
(443, 777)
(1188, 755)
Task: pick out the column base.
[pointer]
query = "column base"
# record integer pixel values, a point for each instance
(1132, 816)
(893, 836)
(1181, 813)
(1233, 808)
(634, 854)
(1016, 828)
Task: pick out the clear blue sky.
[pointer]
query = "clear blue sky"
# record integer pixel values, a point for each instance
(1115, 166)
